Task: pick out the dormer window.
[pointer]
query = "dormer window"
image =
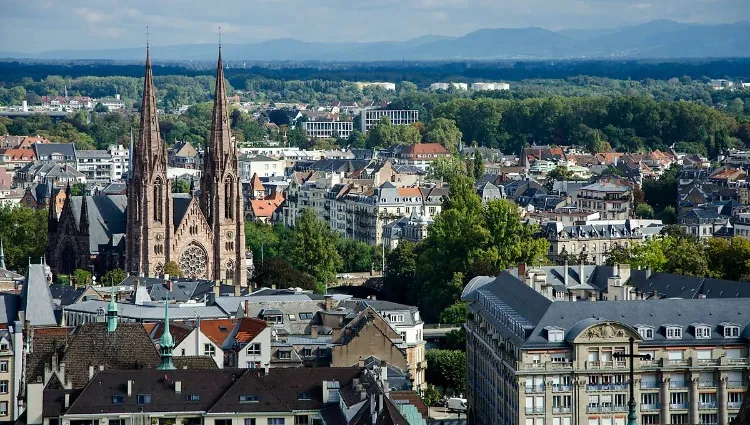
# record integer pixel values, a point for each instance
(646, 332)
(702, 331)
(674, 332)
(396, 318)
(554, 334)
(731, 330)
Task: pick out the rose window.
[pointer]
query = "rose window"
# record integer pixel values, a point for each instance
(193, 261)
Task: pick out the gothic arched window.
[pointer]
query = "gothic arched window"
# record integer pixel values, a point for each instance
(228, 199)
(230, 270)
(158, 201)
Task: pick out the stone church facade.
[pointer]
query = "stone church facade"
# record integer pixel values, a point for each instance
(150, 226)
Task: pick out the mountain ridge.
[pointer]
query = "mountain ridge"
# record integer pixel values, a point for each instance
(654, 39)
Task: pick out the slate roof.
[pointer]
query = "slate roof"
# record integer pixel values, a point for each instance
(607, 187)
(93, 153)
(180, 205)
(43, 149)
(65, 295)
(46, 342)
(36, 299)
(106, 219)
(151, 311)
(9, 305)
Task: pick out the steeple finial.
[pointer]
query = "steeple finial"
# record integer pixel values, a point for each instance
(112, 311)
(166, 342)
(147, 46)
(219, 39)
(2, 255)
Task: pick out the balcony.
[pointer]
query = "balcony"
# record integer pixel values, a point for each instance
(678, 406)
(606, 387)
(681, 362)
(734, 404)
(678, 384)
(649, 385)
(736, 384)
(545, 366)
(534, 410)
(740, 361)
(597, 364)
(534, 389)
(707, 405)
(557, 388)
(648, 407)
(706, 362)
(558, 410)
(707, 384)
(651, 364)
(606, 409)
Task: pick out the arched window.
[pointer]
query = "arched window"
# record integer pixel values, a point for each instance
(230, 270)
(158, 201)
(228, 199)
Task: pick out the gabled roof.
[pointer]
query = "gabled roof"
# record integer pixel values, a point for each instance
(106, 218)
(66, 149)
(36, 299)
(425, 149)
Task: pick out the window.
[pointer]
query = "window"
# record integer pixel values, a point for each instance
(304, 396)
(650, 420)
(306, 352)
(301, 420)
(253, 349)
(3, 408)
(4, 366)
(3, 346)
(708, 418)
(144, 398)
(193, 397)
(249, 421)
(284, 355)
(209, 350)
(292, 317)
(275, 421)
(403, 336)
(702, 332)
(116, 422)
(249, 399)
(223, 422)
(397, 318)
(646, 332)
(674, 332)
(118, 399)
(731, 331)
(3, 387)
(554, 335)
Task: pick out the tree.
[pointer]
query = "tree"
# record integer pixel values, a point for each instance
(445, 132)
(447, 369)
(172, 269)
(313, 249)
(455, 340)
(113, 277)
(181, 186)
(263, 240)
(668, 215)
(357, 140)
(81, 277)
(23, 232)
(399, 280)
(644, 211)
(478, 164)
(78, 189)
(454, 315)
(101, 108)
(430, 396)
(276, 271)
(447, 169)
(357, 256)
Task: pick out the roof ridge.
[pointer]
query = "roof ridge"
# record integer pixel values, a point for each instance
(228, 390)
(272, 392)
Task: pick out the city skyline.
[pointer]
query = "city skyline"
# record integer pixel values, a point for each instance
(82, 24)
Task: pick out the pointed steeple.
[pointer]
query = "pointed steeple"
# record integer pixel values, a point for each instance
(83, 224)
(149, 144)
(112, 311)
(2, 255)
(220, 140)
(166, 342)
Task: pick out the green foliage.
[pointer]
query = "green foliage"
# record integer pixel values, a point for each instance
(478, 167)
(445, 132)
(78, 189)
(728, 258)
(431, 396)
(447, 369)
(313, 248)
(358, 256)
(454, 315)
(644, 211)
(668, 215)
(662, 193)
(276, 271)
(455, 340)
(113, 277)
(385, 134)
(181, 186)
(172, 269)
(81, 277)
(100, 108)
(447, 169)
(24, 235)
(264, 240)
(399, 280)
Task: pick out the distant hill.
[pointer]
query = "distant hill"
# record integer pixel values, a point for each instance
(656, 39)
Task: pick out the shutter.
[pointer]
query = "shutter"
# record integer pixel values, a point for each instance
(734, 353)
(704, 354)
(675, 354)
(649, 379)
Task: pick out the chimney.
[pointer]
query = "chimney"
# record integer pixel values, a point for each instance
(565, 272)
(91, 372)
(384, 373)
(130, 387)
(522, 271)
(117, 96)
(314, 331)
(648, 272)
(67, 401)
(328, 302)
(361, 362)
(177, 387)
(237, 290)
(581, 275)
(624, 273)
(335, 334)
(246, 309)
(273, 286)
(62, 376)
(25, 106)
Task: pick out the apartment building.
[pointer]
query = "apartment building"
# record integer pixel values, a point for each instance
(421, 155)
(490, 86)
(531, 360)
(261, 165)
(58, 153)
(328, 129)
(446, 86)
(371, 117)
(610, 199)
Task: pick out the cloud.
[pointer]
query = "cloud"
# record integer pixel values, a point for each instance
(88, 24)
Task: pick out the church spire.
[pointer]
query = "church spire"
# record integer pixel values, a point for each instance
(166, 342)
(112, 311)
(220, 140)
(149, 147)
(83, 225)
(51, 210)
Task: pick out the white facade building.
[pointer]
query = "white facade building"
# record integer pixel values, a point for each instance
(261, 165)
(446, 86)
(342, 129)
(103, 165)
(386, 86)
(397, 116)
(490, 86)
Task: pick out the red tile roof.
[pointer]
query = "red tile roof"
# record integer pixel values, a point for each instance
(426, 148)
(263, 208)
(217, 330)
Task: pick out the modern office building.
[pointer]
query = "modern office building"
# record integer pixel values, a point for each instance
(535, 361)
(371, 117)
(318, 129)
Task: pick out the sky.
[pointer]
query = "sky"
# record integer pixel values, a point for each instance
(40, 25)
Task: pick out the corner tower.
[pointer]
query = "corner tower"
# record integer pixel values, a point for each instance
(221, 192)
(149, 211)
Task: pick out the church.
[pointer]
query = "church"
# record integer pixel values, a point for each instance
(140, 232)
